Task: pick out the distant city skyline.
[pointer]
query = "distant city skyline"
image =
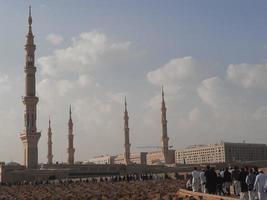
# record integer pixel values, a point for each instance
(210, 57)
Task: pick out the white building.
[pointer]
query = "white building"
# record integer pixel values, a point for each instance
(220, 153)
(103, 159)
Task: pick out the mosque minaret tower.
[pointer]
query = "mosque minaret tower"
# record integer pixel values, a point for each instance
(165, 138)
(29, 135)
(49, 144)
(127, 144)
(70, 150)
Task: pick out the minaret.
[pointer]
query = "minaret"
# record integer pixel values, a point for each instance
(49, 143)
(165, 138)
(29, 135)
(127, 144)
(71, 150)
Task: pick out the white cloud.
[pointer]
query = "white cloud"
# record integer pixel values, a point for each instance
(117, 97)
(179, 73)
(54, 39)
(248, 75)
(85, 80)
(4, 83)
(83, 55)
(173, 73)
(64, 86)
(207, 107)
(69, 76)
(213, 92)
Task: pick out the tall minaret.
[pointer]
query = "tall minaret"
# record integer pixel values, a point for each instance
(165, 138)
(71, 150)
(127, 144)
(49, 143)
(29, 135)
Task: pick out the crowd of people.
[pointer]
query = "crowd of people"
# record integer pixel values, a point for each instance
(247, 183)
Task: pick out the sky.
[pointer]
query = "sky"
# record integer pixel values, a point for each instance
(209, 55)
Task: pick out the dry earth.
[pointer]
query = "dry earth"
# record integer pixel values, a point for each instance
(135, 190)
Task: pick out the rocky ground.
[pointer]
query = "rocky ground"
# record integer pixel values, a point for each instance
(135, 190)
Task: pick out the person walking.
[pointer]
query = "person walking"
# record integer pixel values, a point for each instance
(202, 181)
(250, 180)
(243, 185)
(195, 180)
(236, 182)
(211, 180)
(220, 184)
(227, 180)
(260, 185)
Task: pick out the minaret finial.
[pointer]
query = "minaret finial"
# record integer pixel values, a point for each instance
(49, 122)
(70, 111)
(30, 16)
(125, 103)
(162, 92)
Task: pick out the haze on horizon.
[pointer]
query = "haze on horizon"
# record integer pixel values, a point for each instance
(209, 55)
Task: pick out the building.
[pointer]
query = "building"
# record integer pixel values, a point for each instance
(155, 157)
(136, 158)
(29, 136)
(103, 159)
(166, 155)
(70, 149)
(127, 144)
(139, 158)
(164, 138)
(49, 144)
(221, 153)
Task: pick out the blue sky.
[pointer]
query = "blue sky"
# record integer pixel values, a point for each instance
(210, 55)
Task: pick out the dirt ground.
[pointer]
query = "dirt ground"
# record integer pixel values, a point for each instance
(80, 190)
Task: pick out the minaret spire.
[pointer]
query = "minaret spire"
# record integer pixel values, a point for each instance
(165, 138)
(30, 36)
(127, 145)
(29, 135)
(49, 143)
(70, 112)
(30, 15)
(162, 93)
(125, 104)
(70, 149)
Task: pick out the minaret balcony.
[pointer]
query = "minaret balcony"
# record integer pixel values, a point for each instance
(30, 69)
(70, 150)
(30, 46)
(30, 100)
(30, 138)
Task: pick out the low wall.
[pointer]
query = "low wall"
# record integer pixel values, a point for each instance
(186, 194)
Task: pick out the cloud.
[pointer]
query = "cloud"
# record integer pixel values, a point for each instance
(179, 73)
(74, 75)
(214, 92)
(207, 106)
(54, 39)
(85, 80)
(83, 55)
(248, 75)
(117, 97)
(4, 83)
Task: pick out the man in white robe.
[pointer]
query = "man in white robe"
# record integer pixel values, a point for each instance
(202, 181)
(260, 186)
(195, 180)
